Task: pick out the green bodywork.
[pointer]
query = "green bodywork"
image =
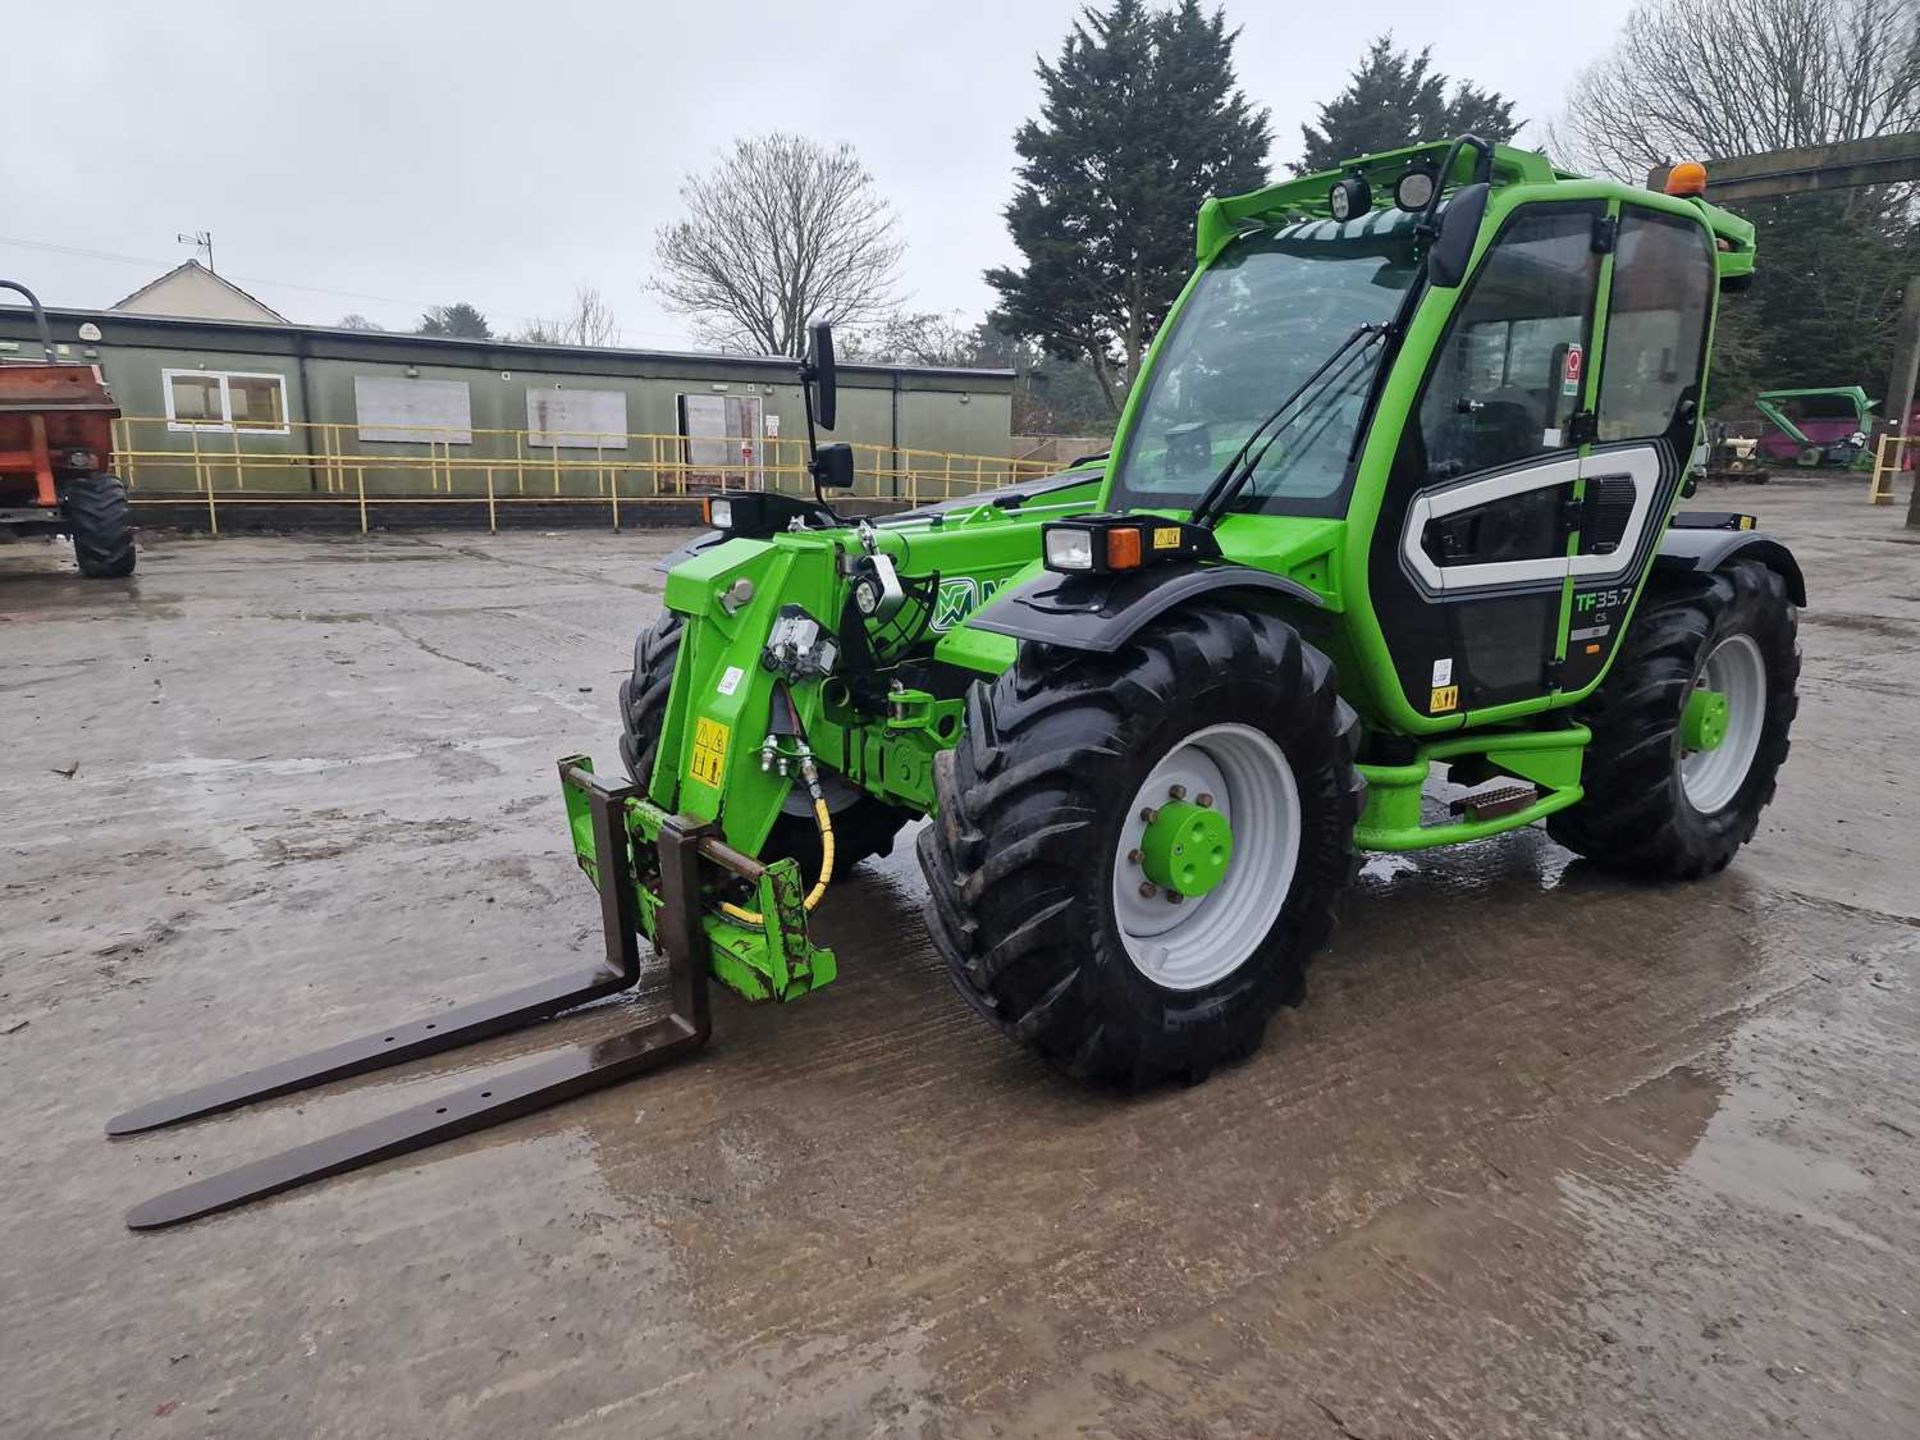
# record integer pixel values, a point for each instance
(709, 763)
(1773, 403)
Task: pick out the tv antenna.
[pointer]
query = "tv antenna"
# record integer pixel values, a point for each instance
(200, 240)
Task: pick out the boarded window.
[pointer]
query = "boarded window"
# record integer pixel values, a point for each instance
(720, 440)
(577, 419)
(413, 412)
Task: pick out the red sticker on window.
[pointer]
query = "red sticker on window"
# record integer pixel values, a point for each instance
(1570, 376)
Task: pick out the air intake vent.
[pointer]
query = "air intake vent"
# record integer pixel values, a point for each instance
(1609, 507)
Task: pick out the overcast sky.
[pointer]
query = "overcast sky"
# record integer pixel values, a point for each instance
(384, 157)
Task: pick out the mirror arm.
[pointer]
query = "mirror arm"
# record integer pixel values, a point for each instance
(1429, 226)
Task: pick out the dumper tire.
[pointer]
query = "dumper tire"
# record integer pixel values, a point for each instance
(101, 523)
(1638, 815)
(1027, 860)
(863, 827)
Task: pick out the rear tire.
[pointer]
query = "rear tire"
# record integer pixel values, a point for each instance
(862, 826)
(1029, 861)
(97, 514)
(1653, 808)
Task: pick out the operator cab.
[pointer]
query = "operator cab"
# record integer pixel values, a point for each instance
(1498, 390)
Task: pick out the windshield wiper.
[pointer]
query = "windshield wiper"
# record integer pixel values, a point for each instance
(1225, 487)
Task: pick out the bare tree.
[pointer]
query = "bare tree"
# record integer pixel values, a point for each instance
(589, 322)
(783, 231)
(1698, 79)
(917, 337)
(357, 321)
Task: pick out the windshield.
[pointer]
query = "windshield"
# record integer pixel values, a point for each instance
(1261, 320)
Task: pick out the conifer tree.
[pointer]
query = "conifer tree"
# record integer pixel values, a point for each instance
(1140, 121)
(1396, 98)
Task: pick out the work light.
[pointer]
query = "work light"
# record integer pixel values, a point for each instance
(1414, 190)
(720, 514)
(1350, 197)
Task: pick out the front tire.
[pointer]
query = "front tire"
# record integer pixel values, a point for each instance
(1034, 901)
(1656, 804)
(863, 827)
(101, 522)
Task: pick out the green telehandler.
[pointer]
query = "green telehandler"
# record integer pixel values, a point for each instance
(1395, 487)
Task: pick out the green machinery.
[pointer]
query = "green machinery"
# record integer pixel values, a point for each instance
(1395, 488)
(1822, 426)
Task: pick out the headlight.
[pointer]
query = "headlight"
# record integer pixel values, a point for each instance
(1104, 544)
(720, 514)
(1069, 549)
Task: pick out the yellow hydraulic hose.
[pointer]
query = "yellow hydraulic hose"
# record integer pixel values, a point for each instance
(815, 895)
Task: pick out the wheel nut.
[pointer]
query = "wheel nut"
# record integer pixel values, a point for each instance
(1149, 815)
(1176, 792)
(1133, 857)
(1174, 897)
(1203, 800)
(1148, 889)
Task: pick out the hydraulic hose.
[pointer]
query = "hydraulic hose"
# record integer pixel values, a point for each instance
(819, 890)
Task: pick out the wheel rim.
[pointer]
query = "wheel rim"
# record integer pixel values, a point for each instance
(1196, 942)
(1736, 670)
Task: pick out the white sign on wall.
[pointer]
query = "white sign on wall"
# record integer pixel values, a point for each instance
(577, 419)
(415, 412)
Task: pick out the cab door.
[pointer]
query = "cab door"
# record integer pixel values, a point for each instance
(1661, 289)
(1470, 556)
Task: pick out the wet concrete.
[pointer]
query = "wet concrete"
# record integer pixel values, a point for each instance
(1545, 1153)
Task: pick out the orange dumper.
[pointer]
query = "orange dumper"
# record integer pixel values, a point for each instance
(56, 457)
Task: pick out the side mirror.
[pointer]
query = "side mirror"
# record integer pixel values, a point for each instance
(819, 373)
(1452, 248)
(833, 465)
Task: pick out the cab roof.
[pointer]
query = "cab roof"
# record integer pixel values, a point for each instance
(1306, 197)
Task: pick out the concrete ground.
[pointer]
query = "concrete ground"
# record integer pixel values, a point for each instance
(1544, 1154)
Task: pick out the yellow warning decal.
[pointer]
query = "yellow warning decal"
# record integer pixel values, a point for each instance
(1445, 698)
(1166, 537)
(710, 739)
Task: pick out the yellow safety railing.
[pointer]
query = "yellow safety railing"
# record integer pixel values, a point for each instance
(327, 463)
(1880, 488)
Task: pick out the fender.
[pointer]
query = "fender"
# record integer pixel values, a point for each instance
(1101, 613)
(1686, 550)
(692, 548)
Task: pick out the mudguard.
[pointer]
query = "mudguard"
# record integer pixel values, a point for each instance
(1685, 550)
(1102, 612)
(692, 548)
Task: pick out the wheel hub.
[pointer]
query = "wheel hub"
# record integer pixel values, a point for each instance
(1703, 725)
(1206, 856)
(1186, 848)
(1721, 723)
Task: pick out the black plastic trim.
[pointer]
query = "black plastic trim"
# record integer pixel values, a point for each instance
(692, 548)
(1101, 613)
(1684, 551)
